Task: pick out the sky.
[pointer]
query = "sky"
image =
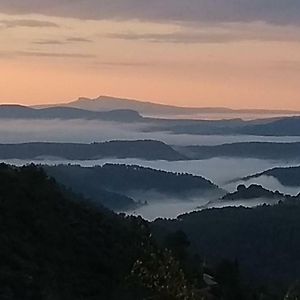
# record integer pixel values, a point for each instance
(234, 53)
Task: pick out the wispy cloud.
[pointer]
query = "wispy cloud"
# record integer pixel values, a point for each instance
(54, 55)
(78, 40)
(27, 23)
(48, 42)
(219, 33)
(62, 41)
(126, 64)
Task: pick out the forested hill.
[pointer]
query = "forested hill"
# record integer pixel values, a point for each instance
(255, 191)
(130, 180)
(55, 246)
(58, 246)
(289, 176)
(143, 149)
(264, 241)
(16, 112)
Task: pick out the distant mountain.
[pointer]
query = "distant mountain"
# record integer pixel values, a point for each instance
(282, 127)
(143, 149)
(259, 150)
(66, 113)
(286, 176)
(103, 103)
(133, 181)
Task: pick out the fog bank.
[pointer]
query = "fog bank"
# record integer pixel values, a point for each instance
(87, 131)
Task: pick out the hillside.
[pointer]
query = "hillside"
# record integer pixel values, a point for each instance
(55, 246)
(254, 191)
(289, 176)
(263, 241)
(66, 113)
(133, 181)
(143, 149)
(58, 246)
(259, 150)
(282, 127)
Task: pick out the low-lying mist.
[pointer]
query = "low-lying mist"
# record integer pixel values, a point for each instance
(268, 182)
(172, 208)
(169, 209)
(218, 170)
(87, 131)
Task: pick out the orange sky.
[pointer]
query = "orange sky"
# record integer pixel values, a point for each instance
(253, 65)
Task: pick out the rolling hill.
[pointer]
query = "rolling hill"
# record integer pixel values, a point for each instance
(143, 149)
(259, 150)
(289, 176)
(139, 183)
(66, 113)
(282, 127)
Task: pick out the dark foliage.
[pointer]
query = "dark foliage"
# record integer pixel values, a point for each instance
(264, 240)
(55, 247)
(127, 180)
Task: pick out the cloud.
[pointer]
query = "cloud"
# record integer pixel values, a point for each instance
(221, 33)
(127, 64)
(27, 23)
(68, 40)
(271, 11)
(78, 40)
(48, 42)
(51, 54)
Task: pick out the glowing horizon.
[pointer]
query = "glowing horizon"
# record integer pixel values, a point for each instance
(57, 55)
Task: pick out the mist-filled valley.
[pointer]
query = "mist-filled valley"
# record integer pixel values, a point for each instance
(149, 150)
(222, 171)
(76, 136)
(155, 176)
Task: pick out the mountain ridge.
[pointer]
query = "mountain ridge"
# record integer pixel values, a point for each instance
(147, 107)
(143, 149)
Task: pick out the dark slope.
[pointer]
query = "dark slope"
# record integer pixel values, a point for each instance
(264, 241)
(289, 176)
(56, 246)
(53, 247)
(66, 113)
(260, 150)
(144, 149)
(130, 180)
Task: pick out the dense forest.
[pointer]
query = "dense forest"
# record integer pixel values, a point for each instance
(264, 241)
(55, 245)
(289, 176)
(132, 181)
